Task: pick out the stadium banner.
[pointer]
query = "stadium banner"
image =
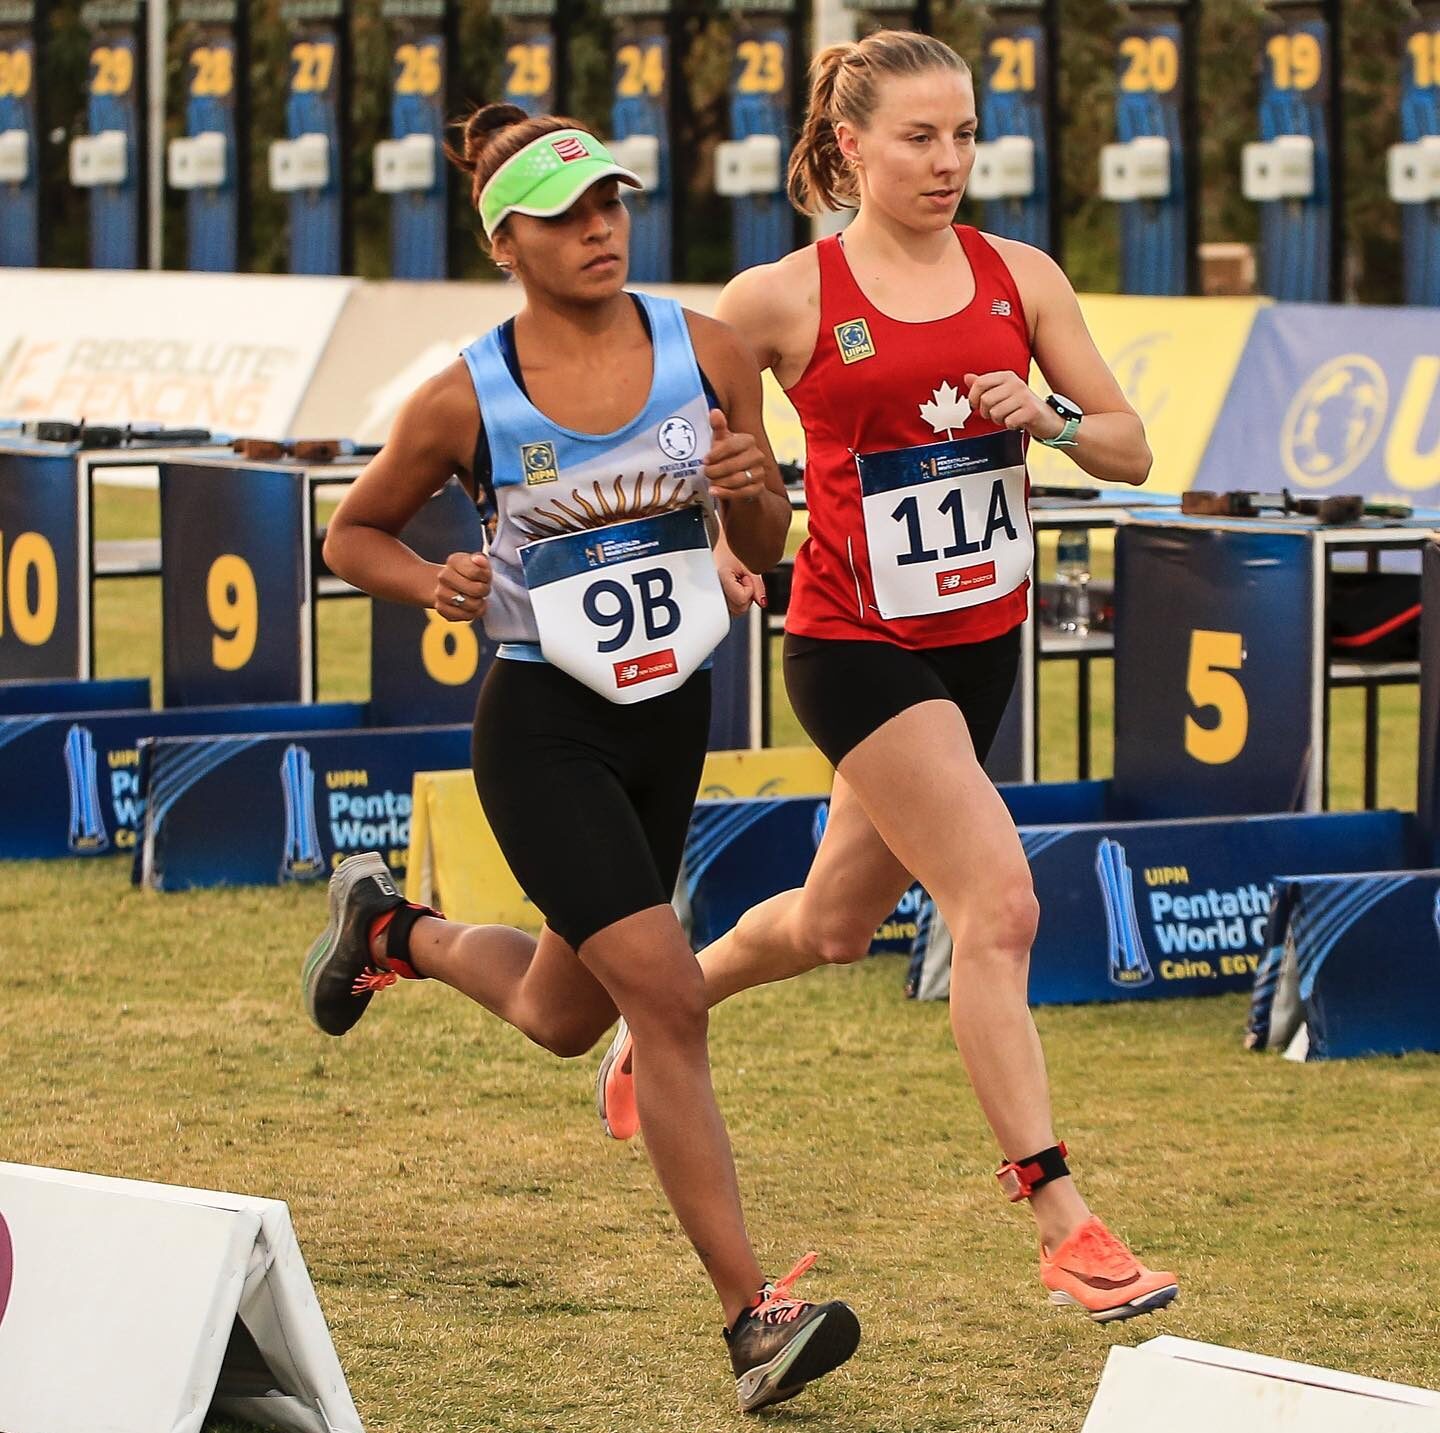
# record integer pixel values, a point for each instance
(44, 564)
(111, 695)
(232, 353)
(1338, 399)
(70, 783)
(1150, 344)
(264, 810)
(1356, 967)
(456, 864)
(184, 1300)
(1133, 910)
(1215, 657)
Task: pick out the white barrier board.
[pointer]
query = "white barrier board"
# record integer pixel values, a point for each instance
(1188, 1387)
(120, 1301)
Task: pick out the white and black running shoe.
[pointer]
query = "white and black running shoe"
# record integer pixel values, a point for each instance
(339, 977)
(780, 1344)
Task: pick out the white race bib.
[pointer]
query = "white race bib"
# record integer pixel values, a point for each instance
(632, 609)
(946, 524)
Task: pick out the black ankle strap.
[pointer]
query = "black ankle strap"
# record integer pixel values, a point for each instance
(397, 933)
(1020, 1178)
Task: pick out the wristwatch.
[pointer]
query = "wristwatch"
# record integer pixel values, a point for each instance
(1072, 415)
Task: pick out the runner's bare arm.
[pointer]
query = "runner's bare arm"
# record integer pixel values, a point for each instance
(433, 437)
(740, 465)
(1111, 442)
(775, 308)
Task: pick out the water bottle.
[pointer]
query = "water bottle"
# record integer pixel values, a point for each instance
(1072, 573)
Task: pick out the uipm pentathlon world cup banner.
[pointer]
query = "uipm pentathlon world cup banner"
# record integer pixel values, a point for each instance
(1331, 399)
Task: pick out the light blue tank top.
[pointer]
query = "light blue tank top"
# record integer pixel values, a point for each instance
(548, 479)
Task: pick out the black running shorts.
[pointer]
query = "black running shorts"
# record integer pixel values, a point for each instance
(843, 691)
(590, 801)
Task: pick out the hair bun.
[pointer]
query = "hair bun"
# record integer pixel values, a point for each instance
(481, 126)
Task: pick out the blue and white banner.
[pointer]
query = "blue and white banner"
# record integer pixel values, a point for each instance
(1333, 400)
(1366, 960)
(254, 810)
(70, 784)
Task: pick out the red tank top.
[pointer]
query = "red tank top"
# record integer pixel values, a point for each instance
(874, 385)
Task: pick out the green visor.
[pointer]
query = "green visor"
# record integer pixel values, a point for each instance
(548, 176)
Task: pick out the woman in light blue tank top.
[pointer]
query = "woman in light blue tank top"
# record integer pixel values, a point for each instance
(587, 432)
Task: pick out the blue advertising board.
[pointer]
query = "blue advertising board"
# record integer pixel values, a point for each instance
(1151, 71)
(1367, 961)
(762, 83)
(532, 58)
(19, 115)
(116, 89)
(70, 783)
(641, 106)
(30, 698)
(214, 66)
(316, 103)
(44, 564)
(235, 584)
(1016, 63)
(419, 100)
(424, 670)
(264, 810)
(1214, 668)
(1333, 399)
(1298, 248)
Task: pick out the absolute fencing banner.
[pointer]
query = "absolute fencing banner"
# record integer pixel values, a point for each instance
(177, 1301)
(1333, 399)
(70, 783)
(263, 810)
(48, 698)
(1354, 967)
(227, 352)
(1150, 345)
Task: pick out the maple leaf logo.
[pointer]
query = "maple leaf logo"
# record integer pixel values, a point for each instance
(948, 412)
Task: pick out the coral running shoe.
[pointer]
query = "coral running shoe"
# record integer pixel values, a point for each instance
(780, 1343)
(1094, 1271)
(615, 1087)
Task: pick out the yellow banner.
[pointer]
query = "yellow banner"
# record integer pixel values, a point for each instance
(1174, 358)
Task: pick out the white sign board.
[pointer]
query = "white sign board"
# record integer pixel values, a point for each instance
(232, 353)
(119, 1302)
(1187, 1387)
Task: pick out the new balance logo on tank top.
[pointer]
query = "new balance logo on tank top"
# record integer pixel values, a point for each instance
(919, 526)
(599, 553)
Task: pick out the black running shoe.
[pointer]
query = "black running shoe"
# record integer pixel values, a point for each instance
(781, 1344)
(339, 977)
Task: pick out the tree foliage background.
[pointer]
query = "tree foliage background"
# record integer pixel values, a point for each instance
(1229, 30)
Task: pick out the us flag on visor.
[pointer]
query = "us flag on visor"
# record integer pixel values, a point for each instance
(570, 148)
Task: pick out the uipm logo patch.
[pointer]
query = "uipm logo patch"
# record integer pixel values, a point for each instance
(854, 339)
(538, 461)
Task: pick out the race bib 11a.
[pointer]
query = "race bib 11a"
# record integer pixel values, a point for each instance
(946, 524)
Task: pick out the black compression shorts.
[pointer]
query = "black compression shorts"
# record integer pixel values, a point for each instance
(589, 800)
(843, 691)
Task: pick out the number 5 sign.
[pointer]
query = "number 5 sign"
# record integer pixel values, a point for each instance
(1214, 668)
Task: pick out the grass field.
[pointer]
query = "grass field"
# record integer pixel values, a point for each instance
(487, 1261)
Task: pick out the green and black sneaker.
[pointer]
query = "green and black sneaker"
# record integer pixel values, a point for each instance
(339, 977)
(779, 1344)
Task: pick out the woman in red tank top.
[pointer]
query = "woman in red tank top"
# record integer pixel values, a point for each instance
(906, 346)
